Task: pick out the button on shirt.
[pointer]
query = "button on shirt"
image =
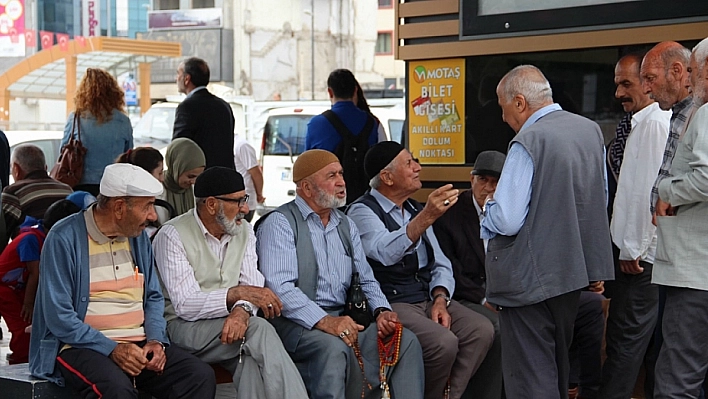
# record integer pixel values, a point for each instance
(190, 302)
(389, 247)
(631, 226)
(278, 261)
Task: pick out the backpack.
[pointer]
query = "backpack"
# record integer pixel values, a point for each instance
(351, 151)
(70, 166)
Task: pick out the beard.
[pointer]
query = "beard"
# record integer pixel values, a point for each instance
(230, 226)
(325, 200)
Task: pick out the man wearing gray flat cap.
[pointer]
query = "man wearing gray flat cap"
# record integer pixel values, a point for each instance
(97, 324)
(208, 268)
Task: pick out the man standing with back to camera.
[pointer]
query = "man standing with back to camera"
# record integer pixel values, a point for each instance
(547, 230)
(203, 117)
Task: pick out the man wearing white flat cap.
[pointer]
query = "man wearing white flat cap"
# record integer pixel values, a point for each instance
(98, 324)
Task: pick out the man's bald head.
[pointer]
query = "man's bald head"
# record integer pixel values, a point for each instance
(698, 73)
(665, 75)
(521, 92)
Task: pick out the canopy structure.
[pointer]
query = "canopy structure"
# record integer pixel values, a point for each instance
(52, 73)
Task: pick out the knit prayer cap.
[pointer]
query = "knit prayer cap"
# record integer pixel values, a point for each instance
(379, 156)
(218, 180)
(311, 161)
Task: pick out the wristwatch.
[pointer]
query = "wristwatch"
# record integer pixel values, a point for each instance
(245, 305)
(447, 299)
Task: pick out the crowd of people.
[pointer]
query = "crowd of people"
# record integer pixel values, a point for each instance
(149, 270)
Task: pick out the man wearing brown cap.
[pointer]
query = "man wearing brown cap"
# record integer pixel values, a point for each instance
(398, 239)
(308, 251)
(98, 324)
(208, 267)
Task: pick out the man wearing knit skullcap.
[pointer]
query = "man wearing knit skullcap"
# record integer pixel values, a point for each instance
(398, 239)
(208, 268)
(308, 251)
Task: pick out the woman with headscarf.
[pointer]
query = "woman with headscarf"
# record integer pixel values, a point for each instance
(185, 161)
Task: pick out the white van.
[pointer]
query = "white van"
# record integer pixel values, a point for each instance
(284, 139)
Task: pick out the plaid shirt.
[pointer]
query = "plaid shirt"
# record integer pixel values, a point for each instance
(681, 114)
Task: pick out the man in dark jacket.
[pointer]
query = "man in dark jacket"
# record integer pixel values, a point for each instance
(461, 243)
(203, 117)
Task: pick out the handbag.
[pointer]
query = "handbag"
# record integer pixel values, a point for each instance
(356, 306)
(70, 165)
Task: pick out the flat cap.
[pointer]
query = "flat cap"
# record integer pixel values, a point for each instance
(489, 163)
(127, 180)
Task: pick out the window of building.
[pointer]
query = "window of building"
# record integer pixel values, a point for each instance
(385, 3)
(166, 4)
(202, 3)
(383, 43)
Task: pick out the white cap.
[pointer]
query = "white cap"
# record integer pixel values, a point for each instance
(127, 180)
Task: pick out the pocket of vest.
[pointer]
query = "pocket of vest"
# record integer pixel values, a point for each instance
(503, 277)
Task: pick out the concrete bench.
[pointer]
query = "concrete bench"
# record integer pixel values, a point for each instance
(17, 383)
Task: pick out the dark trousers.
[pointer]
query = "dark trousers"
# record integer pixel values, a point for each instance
(535, 343)
(630, 327)
(586, 349)
(683, 358)
(97, 376)
(487, 382)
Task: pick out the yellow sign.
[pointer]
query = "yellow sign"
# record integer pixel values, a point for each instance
(436, 114)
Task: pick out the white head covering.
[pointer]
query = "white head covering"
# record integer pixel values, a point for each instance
(126, 180)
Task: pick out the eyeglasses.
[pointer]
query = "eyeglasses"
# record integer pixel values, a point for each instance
(240, 201)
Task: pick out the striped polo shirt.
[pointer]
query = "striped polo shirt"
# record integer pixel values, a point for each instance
(116, 289)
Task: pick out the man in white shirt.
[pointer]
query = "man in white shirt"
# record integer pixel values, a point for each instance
(634, 306)
(246, 164)
(206, 259)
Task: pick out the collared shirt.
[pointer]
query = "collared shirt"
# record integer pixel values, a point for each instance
(278, 261)
(631, 226)
(389, 247)
(480, 216)
(507, 212)
(178, 275)
(196, 89)
(681, 115)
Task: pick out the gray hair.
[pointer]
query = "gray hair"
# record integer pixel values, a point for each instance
(375, 181)
(528, 81)
(700, 53)
(29, 157)
(675, 53)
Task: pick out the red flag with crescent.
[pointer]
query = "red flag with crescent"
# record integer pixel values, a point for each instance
(46, 38)
(63, 41)
(81, 40)
(30, 40)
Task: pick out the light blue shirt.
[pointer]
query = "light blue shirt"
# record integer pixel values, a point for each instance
(389, 247)
(196, 89)
(507, 212)
(277, 258)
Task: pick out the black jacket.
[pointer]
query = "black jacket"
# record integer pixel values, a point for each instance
(457, 232)
(208, 121)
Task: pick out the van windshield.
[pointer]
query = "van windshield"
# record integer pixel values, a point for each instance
(285, 133)
(155, 127)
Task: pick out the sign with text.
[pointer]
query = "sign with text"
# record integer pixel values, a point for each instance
(436, 114)
(90, 21)
(12, 28)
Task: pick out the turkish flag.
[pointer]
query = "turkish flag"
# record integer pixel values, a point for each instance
(81, 40)
(63, 40)
(30, 40)
(46, 38)
(14, 37)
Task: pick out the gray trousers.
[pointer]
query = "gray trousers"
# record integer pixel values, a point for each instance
(264, 371)
(487, 382)
(535, 347)
(331, 371)
(683, 359)
(630, 326)
(454, 353)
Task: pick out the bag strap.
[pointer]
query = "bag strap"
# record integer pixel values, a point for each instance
(344, 131)
(76, 125)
